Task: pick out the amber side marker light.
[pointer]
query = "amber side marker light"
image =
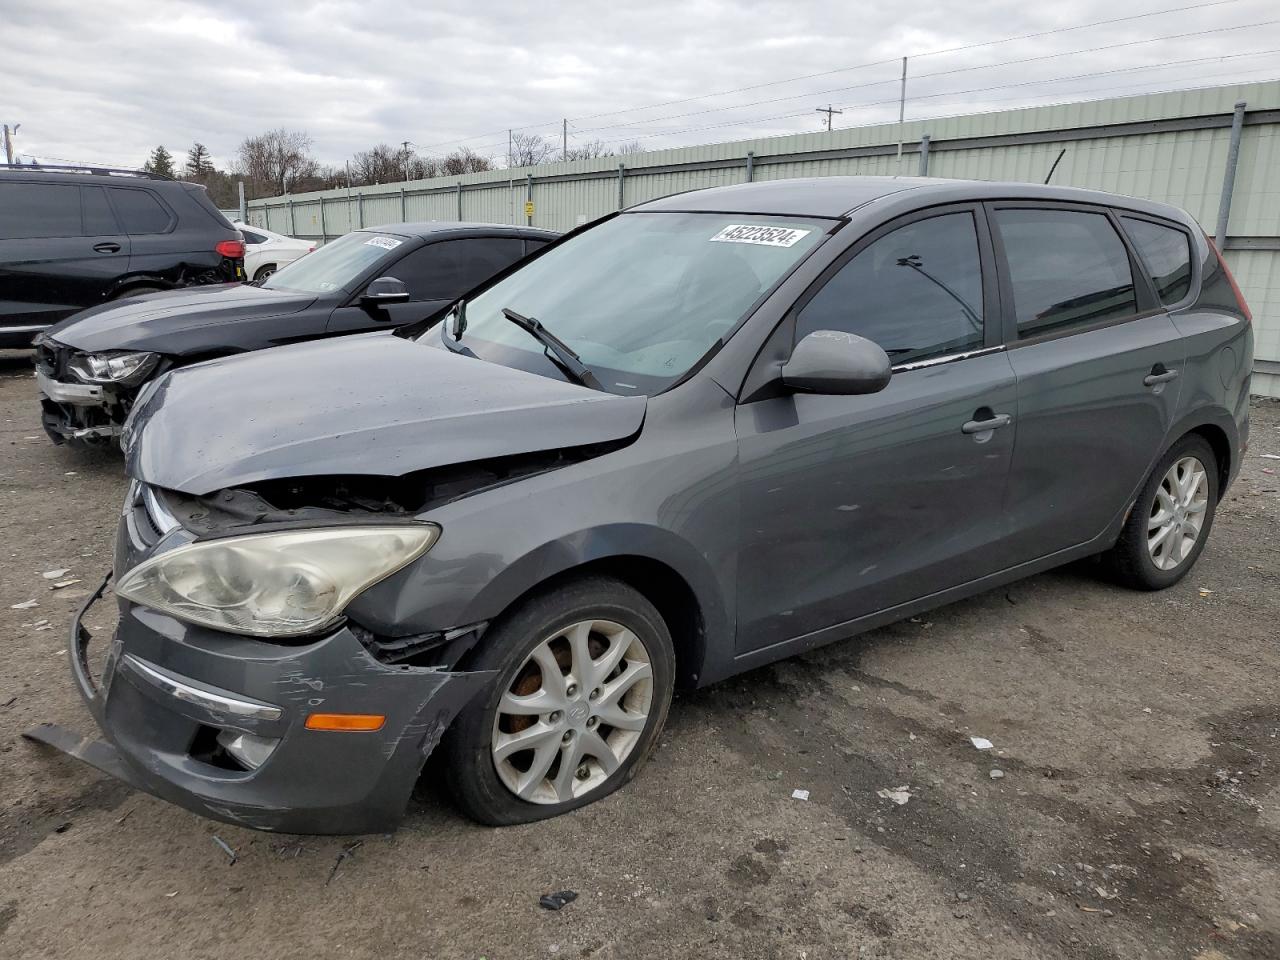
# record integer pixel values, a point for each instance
(346, 722)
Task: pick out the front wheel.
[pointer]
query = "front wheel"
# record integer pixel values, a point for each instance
(1171, 520)
(585, 676)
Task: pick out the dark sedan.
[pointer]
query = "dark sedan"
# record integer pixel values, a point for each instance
(91, 366)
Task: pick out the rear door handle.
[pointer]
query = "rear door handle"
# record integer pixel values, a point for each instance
(994, 422)
(106, 247)
(1160, 376)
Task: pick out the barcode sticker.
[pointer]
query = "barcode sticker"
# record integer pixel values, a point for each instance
(760, 235)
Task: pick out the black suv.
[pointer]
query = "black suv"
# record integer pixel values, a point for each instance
(74, 237)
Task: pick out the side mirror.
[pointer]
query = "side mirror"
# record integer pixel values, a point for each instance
(832, 362)
(385, 290)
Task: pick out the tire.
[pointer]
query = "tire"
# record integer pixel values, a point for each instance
(137, 291)
(1132, 560)
(264, 272)
(485, 785)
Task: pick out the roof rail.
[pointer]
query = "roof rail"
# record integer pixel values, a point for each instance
(78, 168)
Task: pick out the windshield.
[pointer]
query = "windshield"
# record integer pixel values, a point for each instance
(336, 265)
(641, 298)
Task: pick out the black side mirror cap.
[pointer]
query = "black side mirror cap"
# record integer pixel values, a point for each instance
(838, 363)
(385, 290)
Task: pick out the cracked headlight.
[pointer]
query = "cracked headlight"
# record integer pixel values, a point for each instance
(274, 584)
(124, 367)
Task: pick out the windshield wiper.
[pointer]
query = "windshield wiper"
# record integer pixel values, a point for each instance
(568, 360)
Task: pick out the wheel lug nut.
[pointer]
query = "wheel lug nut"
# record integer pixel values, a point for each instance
(572, 690)
(595, 694)
(591, 723)
(583, 772)
(568, 735)
(555, 717)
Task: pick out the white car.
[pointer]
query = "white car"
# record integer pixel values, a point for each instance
(266, 252)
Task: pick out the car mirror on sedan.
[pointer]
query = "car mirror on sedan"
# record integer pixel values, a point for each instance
(834, 362)
(385, 290)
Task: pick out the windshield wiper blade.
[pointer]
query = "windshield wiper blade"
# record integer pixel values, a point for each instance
(568, 360)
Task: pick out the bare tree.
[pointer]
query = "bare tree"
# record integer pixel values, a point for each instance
(589, 150)
(629, 148)
(528, 150)
(387, 164)
(464, 160)
(277, 161)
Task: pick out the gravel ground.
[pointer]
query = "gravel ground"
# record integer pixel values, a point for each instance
(1138, 814)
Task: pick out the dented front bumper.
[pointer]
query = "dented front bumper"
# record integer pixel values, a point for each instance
(165, 689)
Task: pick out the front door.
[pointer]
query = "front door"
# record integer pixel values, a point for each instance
(856, 504)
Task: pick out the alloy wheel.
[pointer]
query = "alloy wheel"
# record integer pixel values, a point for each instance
(1177, 513)
(573, 713)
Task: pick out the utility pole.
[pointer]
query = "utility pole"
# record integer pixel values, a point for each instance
(564, 139)
(828, 110)
(406, 144)
(509, 151)
(8, 141)
(902, 110)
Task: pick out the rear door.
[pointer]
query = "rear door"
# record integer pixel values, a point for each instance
(157, 246)
(1097, 361)
(60, 250)
(856, 504)
(436, 275)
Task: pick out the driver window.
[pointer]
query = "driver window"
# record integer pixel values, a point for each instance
(917, 292)
(447, 269)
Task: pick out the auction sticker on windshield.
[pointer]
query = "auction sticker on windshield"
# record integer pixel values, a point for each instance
(764, 236)
(387, 243)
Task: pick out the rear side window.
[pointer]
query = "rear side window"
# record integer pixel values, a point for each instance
(1068, 269)
(448, 269)
(30, 211)
(251, 237)
(917, 291)
(139, 211)
(533, 246)
(99, 221)
(1166, 253)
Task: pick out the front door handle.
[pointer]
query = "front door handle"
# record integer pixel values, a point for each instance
(107, 247)
(1159, 374)
(993, 422)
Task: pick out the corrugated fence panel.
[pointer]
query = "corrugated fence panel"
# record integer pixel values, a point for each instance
(1170, 147)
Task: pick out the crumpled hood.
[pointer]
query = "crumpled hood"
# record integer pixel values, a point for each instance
(375, 404)
(162, 321)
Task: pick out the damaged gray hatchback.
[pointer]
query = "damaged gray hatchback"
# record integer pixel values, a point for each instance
(695, 437)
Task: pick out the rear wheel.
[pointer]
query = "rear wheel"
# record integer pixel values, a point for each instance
(264, 272)
(1169, 524)
(585, 675)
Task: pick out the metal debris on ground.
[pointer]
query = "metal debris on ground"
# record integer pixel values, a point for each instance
(982, 743)
(226, 848)
(1206, 592)
(62, 827)
(799, 794)
(899, 795)
(556, 901)
(64, 583)
(997, 774)
(56, 574)
(347, 851)
(24, 605)
(1271, 456)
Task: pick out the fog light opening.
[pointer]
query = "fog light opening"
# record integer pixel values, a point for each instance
(249, 751)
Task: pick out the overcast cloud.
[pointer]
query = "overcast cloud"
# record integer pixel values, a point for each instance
(106, 82)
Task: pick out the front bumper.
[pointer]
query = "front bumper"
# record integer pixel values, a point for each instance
(79, 412)
(166, 688)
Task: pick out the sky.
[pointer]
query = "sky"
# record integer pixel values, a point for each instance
(106, 82)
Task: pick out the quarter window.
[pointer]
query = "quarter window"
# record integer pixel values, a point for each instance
(1067, 269)
(1166, 253)
(917, 292)
(39, 210)
(140, 212)
(251, 237)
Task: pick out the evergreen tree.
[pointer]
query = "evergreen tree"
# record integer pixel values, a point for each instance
(199, 164)
(160, 161)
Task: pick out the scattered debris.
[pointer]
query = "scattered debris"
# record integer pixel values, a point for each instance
(982, 743)
(8, 702)
(1271, 456)
(799, 794)
(25, 605)
(127, 815)
(56, 574)
(899, 795)
(1146, 709)
(174, 894)
(1268, 471)
(776, 775)
(997, 774)
(347, 851)
(45, 626)
(1206, 592)
(226, 848)
(64, 583)
(63, 827)
(557, 901)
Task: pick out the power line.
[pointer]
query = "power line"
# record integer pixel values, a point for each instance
(862, 66)
(937, 73)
